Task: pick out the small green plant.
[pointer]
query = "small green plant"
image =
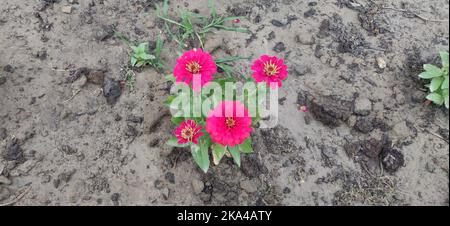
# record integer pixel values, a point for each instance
(142, 57)
(438, 85)
(193, 26)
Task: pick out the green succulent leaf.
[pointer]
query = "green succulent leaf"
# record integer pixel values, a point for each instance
(234, 151)
(173, 141)
(444, 58)
(445, 83)
(431, 68)
(426, 75)
(431, 71)
(436, 98)
(218, 152)
(445, 94)
(200, 155)
(436, 83)
(133, 61)
(246, 146)
(446, 101)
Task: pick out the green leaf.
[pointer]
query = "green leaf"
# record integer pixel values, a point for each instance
(170, 77)
(256, 119)
(212, 8)
(133, 61)
(159, 46)
(246, 146)
(445, 83)
(427, 75)
(177, 120)
(446, 101)
(218, 152)
(433, 70)
(139, 64)
(436, 83)
(173, 141)
(444, 58)
(165, 9)
(234, 151)
(445, 95)
(146, 56)
(169, 100)
(436, 98)
(200, 155)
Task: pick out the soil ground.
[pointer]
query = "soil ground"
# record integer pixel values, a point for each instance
(367, 139)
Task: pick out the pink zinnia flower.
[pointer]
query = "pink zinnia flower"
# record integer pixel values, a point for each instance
(270, 69)
(188, 131)
(195, 63)
(229, 123)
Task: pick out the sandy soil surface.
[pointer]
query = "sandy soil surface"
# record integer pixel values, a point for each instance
(66, 138)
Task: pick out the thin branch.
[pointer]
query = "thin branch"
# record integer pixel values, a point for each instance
(17, 198)
(437, 135)
(414, 14)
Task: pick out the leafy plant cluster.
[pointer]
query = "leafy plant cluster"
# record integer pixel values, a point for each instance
(190, 26)
(438, 86)
(141, 56)
(200, 152)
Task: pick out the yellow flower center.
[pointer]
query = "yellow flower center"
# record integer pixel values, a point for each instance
(193, 67)
(270, 68)
(230, 122)
(187, 133)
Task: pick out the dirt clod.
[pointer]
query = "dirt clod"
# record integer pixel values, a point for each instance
(363, 125)
(392, 159)
(277, 23)
(95, 76)
(349, 38)
(170, 177)
(68, 150)
(115, 198)
(330, 110)
(372, 147)
(362, 106)
(8, 68)
(279, 47)
(311, 12)
(111, 90)
(13, 151)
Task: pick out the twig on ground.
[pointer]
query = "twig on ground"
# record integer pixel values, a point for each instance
(19, 197)
(414, 14)
(436, 135)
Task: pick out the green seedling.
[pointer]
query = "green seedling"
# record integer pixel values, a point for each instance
(130, 79)
(439, 80)
(141, 55)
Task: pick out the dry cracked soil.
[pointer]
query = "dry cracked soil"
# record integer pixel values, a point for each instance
(71, 134)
